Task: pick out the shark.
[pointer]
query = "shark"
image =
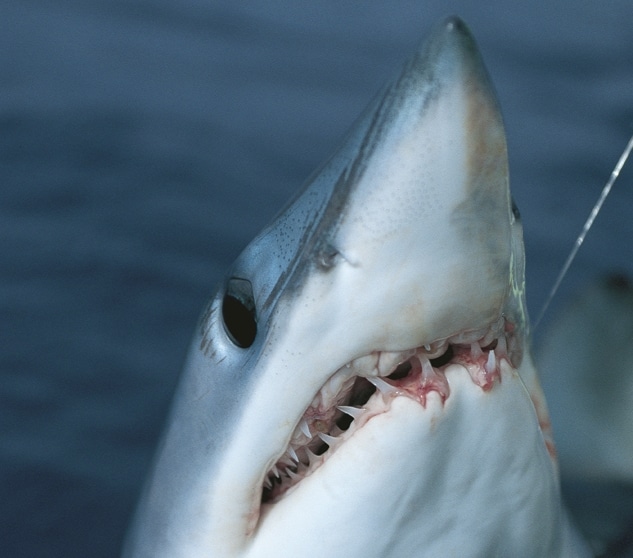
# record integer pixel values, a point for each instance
(361, 385)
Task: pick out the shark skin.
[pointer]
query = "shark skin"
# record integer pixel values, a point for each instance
(361, 385)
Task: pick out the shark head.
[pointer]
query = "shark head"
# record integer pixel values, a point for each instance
(360, 384)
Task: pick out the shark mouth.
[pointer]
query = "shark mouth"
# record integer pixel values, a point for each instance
(365, 387)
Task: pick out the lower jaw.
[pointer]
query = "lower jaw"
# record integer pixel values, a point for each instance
(416, 474)
(415, 378)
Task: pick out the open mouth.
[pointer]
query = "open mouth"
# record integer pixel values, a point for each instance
(365, 388)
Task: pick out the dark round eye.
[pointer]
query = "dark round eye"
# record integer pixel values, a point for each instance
(238, 312)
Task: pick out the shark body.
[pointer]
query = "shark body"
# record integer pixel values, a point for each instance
(361, 385)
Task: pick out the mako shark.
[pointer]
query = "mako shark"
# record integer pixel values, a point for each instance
(361, 385)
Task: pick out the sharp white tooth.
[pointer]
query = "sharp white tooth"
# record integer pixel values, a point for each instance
(276, 471)
(427, 368)
(353, 412)
(383, 386)
(268, 483)
(293, 454)
(303, 426)
(329, 440)
(491, 363)
(475, 350)
(427, 348)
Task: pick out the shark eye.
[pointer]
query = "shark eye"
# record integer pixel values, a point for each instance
(238, 312)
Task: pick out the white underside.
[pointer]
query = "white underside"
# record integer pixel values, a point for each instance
(470, 478)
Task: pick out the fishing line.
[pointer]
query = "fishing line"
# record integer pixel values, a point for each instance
(583, 233)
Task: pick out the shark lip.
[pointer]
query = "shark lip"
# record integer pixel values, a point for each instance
(366, 386)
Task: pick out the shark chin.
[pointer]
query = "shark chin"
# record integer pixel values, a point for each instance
(441, 442)
(427, 471)
(361, 384)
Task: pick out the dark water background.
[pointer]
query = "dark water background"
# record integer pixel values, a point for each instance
(143, 143)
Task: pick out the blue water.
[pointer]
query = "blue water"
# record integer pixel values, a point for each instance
(144, 142)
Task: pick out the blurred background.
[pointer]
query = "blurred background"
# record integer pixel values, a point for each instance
(143, 143)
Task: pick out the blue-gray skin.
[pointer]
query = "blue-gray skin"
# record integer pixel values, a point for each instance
(403, 250)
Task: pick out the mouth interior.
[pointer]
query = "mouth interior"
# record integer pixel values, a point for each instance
(365, 387)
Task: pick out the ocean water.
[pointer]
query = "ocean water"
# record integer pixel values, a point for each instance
(143, 143)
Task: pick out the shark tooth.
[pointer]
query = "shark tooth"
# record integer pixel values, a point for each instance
(293, 454)
(491, 363)
(353, 412)
(303, 426)
(384, 387)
